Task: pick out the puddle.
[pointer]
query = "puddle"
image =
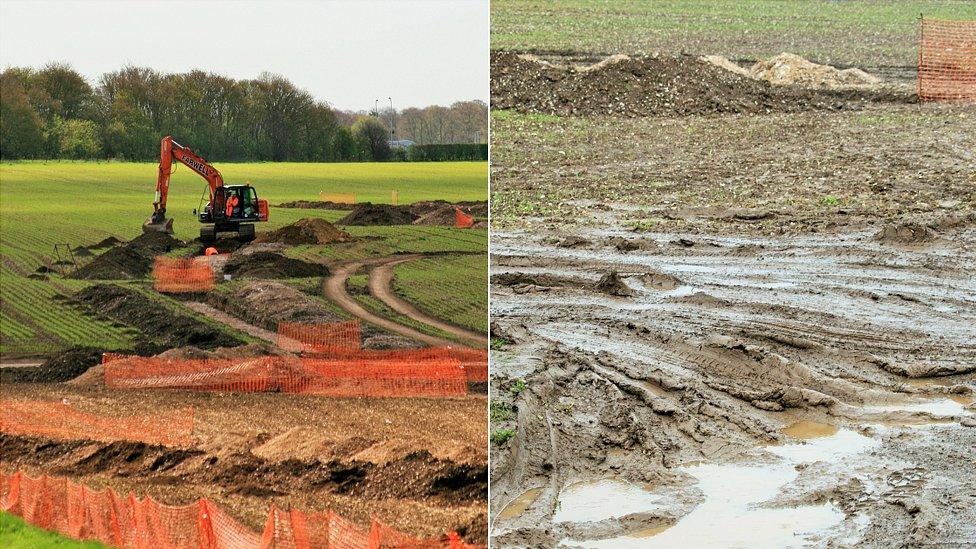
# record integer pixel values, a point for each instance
(937, 407)
(520, 505)
(805, 430)
(730, 514)
(604, 499)
(964, 400)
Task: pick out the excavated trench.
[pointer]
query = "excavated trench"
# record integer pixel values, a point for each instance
(706, 385)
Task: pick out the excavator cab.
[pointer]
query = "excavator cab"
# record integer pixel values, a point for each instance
(233, 208)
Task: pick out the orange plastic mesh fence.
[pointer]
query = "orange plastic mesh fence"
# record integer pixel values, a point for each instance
(77, 511)
(320, 337)
(473, 361)
(182, 275)
(462, 220)
(338, 198)
(391, 376)
(947, 61)
(63, 421)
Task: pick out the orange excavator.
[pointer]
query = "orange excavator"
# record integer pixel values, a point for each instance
(230, 209)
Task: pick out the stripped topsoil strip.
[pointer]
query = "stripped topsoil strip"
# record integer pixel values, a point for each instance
(653, 86)
(131, 260)
(153, 318)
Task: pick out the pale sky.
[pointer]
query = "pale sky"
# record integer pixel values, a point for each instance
(347, 53)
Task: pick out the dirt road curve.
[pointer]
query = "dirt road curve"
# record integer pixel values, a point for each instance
(379, 285)
(335, 289)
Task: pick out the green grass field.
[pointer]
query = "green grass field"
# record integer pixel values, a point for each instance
(17, 534)
(452, 288)
(850, 32)
(80, 203)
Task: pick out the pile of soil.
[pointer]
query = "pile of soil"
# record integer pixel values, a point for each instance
(154, 319)
(906, 233)
(266, 264)
(788, 69)
(611, 283)
(441, 213)
(266, 303)
(378, 214)
(310, 230)
(649, 86)
(61, 367)
(127, 261)
(318, 205)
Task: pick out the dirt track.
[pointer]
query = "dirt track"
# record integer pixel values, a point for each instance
(709, 348)
(380, 278)
(335, 289)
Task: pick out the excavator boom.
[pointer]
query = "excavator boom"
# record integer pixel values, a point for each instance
(168, 150)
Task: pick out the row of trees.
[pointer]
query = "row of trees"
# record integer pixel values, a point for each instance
(55, 113)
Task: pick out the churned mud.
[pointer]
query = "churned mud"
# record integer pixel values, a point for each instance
(767, 391)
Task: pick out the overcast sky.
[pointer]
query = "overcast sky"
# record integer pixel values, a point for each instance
(347, 53)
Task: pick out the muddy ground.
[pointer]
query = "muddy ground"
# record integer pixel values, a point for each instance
(707, 346)
(709, 324)
(418, 464)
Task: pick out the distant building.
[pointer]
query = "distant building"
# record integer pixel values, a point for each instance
(400, 143)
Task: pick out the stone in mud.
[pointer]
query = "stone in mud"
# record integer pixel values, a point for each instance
(611, 283)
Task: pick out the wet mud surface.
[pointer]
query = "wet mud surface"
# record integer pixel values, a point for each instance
(679, 386)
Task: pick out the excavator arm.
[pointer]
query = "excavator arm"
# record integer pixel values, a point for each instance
(168, 151)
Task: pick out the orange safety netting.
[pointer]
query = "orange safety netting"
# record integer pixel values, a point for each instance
(182, 275)
(63, 421)
(462, 220)
(320, 337)
(79, 512)
(390, 376)
(473, 361)
(947, 61)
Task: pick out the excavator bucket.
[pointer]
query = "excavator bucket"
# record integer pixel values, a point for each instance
(163, 226)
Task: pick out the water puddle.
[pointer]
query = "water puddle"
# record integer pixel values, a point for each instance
(937, 407)
(520, 505)
(731, 514)
(805, 430)
(604, 499)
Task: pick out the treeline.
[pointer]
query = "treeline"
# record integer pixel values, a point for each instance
(463, 122)
(55, 113)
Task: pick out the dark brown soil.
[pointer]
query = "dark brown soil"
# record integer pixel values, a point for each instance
(318, 205)
(310, 230)
(652, 86)
(61, 367)
(133, 259)
(441, 213)
(378, 214)
(610, 283)
(417, 476)
(154, 319)
(265, 304)
(272, 265)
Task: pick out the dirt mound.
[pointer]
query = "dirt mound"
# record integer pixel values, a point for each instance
(649, 86)
(443, 214)
(378, 214)
(64, 366)
(906, 233)
(126, 261)
(611, 283)
(154, 319)
(725, 63)
(265, 304)
(788, 69)
(105, 243)
(318, 205)
(263, 264)
(310, 230)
